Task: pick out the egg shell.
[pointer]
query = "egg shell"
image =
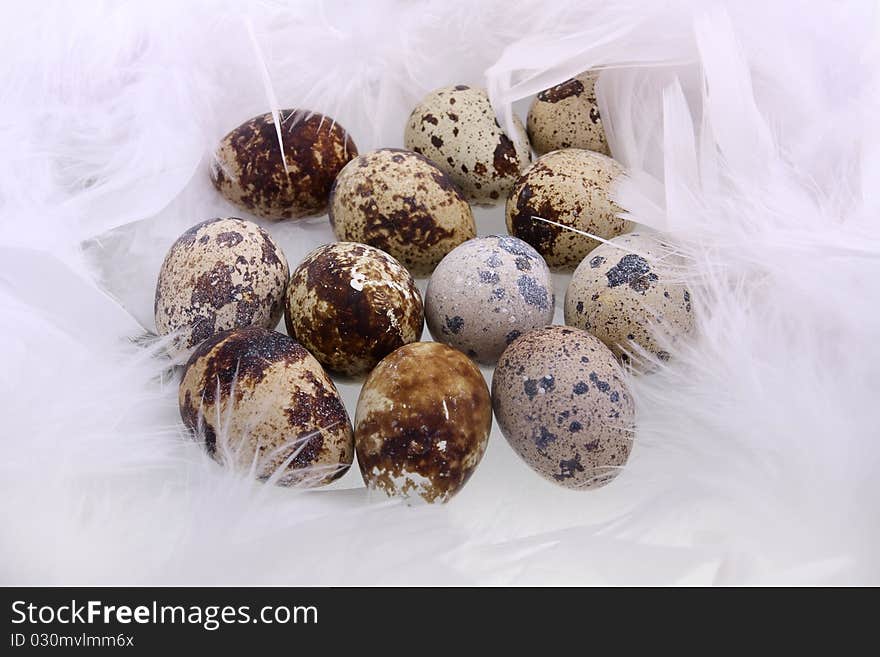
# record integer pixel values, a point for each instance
(220, 274)
(562, 403)
(570, 187)
(250, 392)
(400, 202)
(351, 305)
(422, 422)
(486, 293)
(248, 170)
(629, 291)
(567, 116)
(456, 128)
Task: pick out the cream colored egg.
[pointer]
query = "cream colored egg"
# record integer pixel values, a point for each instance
(567, 116)
(456, 128)
(570, 187)
(400, 202)
(218, 275)
(261, 403)
(629, 291)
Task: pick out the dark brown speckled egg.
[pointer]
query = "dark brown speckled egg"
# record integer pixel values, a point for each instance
(562, 403)
(218, 275)
(400, 202)
(259, 400)
(567, 116)
(351, 305)
(456, 128)
(422, 422)
(249, 172)
(569, 187)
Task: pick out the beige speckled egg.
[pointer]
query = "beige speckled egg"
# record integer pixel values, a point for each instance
(561, 401)
(259, 400)
(628, 291)
(567, 116)
(422, 422)
(456, 128)
(249, 172)
(220, 274)
(486, 293)
(570, 187)
(351, 305)
(400, 202)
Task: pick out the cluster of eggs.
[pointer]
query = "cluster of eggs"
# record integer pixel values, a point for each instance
(265, 400)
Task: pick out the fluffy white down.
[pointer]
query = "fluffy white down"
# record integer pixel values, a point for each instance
(751, 133)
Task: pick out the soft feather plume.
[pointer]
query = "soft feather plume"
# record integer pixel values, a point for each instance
(750, 133)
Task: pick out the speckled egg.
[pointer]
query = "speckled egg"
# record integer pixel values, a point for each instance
(567, 116)
(351, 305)
(630, 291)
(570, 187)
(400, 202)
(562, 403)
(422, 422)
(456, 128)
(249, 172)
(486, 293)
(259, 400)
(220, 274)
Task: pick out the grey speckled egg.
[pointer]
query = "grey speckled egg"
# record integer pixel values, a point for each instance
(456, 128)
(351, 305)
(628, 291)
(220, 274)
(258, 399)
(563, 405)
(570, 187)
(248, 170)
(400, 202)
(567, 116)
(422, 422)
(486, 293)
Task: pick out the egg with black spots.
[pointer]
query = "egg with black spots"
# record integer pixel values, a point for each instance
(261, 403)
(401, 203)
(422, 423)
(630, 291)
(456, 128)
(567, 116)
(220, 274)
(562, 402)
(250, 173)
(572, 189)
(351, 305)
(486, 293)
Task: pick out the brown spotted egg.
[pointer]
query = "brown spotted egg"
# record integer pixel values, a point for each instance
(456, 128)
(561, 401)
(351, 305)
(220, 274)
(400, 202)
(422, 422)
(629, 291)
(261, 403)
(486, 293)
(249, 172)
(567, 116)
(569, 187)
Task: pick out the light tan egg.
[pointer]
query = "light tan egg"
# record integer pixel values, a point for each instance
(629, 290)
(562, 402)
(400, 202)
(567, 116)
(249, 172)
(218, 275)
(570, 187)
(259, 400)
(456, 128)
